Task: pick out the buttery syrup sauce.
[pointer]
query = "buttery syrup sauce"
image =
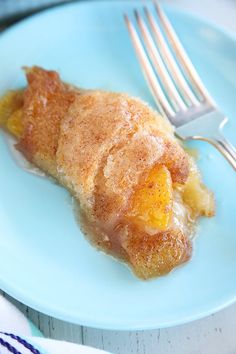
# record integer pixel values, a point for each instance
(19, 158)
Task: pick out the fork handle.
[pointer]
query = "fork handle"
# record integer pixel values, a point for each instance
(209, 128)
(223, 146)
(226, 148)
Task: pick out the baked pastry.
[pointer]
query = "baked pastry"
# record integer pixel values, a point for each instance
(139, 192)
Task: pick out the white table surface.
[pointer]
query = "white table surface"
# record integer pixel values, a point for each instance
(215, 334)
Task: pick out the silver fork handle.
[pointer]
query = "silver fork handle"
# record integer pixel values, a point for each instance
(223, 146)
(209, 128)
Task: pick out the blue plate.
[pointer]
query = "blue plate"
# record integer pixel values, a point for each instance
(45, 261)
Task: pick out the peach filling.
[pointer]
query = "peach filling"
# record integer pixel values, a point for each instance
(151, 205)
(11, 112)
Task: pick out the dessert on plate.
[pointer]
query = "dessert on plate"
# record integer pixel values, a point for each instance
(139, 192)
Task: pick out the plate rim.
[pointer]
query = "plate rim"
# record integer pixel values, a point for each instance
(41, 306)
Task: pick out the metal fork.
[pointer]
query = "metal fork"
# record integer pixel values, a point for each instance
(175, 85)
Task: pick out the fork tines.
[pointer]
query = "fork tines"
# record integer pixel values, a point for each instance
(171, 75)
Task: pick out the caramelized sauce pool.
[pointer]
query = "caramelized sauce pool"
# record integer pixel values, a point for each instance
(19, 158)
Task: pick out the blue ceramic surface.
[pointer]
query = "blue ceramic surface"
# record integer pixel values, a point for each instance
(45, 261)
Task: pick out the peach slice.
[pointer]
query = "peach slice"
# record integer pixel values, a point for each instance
(151, 204)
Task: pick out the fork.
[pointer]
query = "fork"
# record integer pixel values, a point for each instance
(175, 84)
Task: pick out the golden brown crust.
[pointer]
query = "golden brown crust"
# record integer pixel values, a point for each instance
(93, 125)
(121, 172)
(46, 100)
(112, 132)
(154, 255)
(176, 160)
(100, 145)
